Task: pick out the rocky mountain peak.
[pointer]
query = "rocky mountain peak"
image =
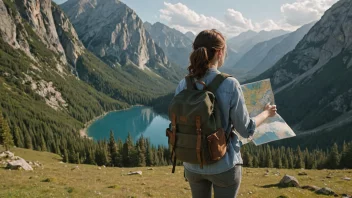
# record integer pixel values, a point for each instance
(313, 82)
(328, 38)
(174, 43)
(190, 35)
(115, 33)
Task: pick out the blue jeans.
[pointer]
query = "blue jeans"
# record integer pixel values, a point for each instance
(225, 184)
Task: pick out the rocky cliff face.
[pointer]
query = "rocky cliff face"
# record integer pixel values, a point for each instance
(68, 37)
(39, 15)
(327, 39)
(44, 21)
(115, 33)
(175, 44)
(313, 82)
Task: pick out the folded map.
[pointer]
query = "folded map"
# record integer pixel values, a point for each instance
(257, 95)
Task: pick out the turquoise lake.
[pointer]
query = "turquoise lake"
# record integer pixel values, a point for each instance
(137, 121)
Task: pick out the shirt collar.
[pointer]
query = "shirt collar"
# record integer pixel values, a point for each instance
(211, 70)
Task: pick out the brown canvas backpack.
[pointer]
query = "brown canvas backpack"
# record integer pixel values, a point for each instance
(196, 135)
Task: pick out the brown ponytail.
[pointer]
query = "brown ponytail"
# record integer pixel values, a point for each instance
(205, 45)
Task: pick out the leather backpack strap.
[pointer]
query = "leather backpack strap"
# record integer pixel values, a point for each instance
(190, 83)
(199, 141)
(214, 85)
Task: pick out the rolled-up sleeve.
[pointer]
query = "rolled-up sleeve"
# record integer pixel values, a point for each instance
(239, 115)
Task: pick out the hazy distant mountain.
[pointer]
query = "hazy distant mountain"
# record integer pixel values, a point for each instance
(246, 40)
(115, 33)
(279, 50)
(239, 45)
(257, 53)
(190, 35)
(313, 83)
(174, 43)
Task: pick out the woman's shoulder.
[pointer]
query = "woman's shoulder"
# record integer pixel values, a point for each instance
(231, 82)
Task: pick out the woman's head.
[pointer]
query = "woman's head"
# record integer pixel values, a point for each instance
(209, 48)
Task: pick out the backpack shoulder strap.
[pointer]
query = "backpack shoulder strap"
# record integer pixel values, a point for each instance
(189, 82)
(214, 85)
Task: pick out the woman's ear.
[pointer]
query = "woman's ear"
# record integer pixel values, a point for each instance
(220, 53)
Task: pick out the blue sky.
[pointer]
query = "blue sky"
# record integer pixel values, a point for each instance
(230, 16)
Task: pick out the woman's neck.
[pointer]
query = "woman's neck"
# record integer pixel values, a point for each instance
(213, 65)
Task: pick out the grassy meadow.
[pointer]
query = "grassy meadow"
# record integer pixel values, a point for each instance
(57, 179)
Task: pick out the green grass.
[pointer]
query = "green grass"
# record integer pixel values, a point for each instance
(66, 180)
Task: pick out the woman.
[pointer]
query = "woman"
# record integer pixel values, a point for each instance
(209, 49)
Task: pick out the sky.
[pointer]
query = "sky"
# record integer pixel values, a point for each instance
(230, 16)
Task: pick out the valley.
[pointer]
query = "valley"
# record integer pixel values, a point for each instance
(63, 66)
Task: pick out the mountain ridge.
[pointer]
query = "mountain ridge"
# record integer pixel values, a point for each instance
(320, 63)
(115, 33)
(175, 44)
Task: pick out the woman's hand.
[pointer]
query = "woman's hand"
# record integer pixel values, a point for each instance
(271, 110)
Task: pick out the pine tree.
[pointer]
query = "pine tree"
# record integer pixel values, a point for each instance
(286, 163)
(348, 157)
(333, 161)
(269, 159)
(18, 138)
(129, 153)
(247, 159)
(141, 152)
(290, 159)
(149, 154)
(102, 154)
(6, 135)
(89, 156)
(42, 143)
(113, 150)
(65, 159)
(299, 160)
(255, 162)
(278, 159)
(28, 141)
(307, 159)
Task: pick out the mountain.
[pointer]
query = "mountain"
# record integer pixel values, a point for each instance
(115, 33)
(174, 43)
(258, 53)
(238, 41)
(190, 35)
(313, 82)
(282, 48)
(246, 40)
(239, 45)
(51, 85)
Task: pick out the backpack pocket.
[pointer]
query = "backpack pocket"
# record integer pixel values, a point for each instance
(217, 145)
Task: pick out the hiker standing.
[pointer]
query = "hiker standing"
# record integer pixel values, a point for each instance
(206, 107)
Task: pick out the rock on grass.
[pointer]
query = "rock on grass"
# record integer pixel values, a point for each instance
(288, 181)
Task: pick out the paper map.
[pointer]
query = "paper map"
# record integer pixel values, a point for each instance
(257, 95)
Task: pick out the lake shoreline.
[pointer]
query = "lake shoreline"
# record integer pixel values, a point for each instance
(84, 132)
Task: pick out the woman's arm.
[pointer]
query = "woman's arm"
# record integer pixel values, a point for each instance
(269, 111)
(239, 115)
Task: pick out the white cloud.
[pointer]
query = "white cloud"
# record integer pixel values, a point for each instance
(235, 18)
(296, 14)
(305, 11)
(184, 19)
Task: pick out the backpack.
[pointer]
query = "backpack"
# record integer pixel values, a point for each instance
(195, 134)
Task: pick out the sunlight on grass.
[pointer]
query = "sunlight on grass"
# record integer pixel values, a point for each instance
(70, 180)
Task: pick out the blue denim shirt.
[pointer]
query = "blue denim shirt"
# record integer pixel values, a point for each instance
(233, 113)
